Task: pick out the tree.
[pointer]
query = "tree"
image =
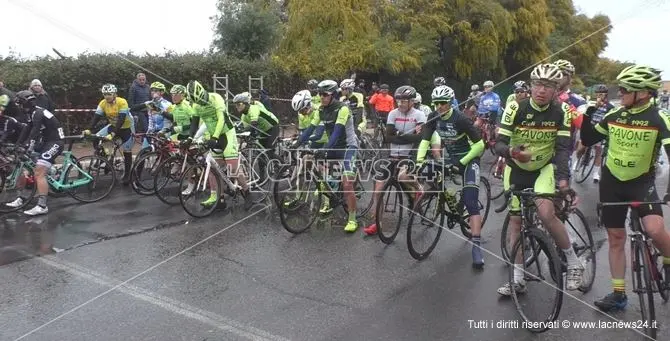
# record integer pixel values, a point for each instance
(246, 29)
(333, 39)
(529, 43)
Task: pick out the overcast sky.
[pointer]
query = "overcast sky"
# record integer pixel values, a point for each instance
(33, 27)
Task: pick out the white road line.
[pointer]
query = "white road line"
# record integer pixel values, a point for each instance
(171, 305)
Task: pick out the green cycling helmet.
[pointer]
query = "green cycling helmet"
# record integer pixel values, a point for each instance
(639, 78)
(158, 86)
(178, 89)
(196, 93)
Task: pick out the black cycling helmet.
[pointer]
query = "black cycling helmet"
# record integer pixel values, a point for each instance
(25, 97)
(600, 89)
(405, 92)
(384, 87)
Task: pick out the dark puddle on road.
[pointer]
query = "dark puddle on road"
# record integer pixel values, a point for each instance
(23, 237)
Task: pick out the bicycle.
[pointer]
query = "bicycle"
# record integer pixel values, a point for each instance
(167, 179)
(393, 189)
(544, 256)
(114, 157)
(581, 240)
(317, 187)
(148, 160)
(649, 275)
(446, 203)
(585, 164)
(66, 178)
(196, 177)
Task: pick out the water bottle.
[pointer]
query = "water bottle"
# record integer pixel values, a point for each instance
(450, 199)
(334, 177)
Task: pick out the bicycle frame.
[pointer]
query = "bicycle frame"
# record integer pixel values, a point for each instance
(56, 184)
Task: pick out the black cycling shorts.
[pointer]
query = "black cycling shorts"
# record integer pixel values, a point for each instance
(48, 151)
(615, 190)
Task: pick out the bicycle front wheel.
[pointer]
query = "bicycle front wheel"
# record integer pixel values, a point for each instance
(200, 192)
(167, 180)
(546, 269)
(390, 211)
(425, 225)
(100, 173)
(298, 201)
(643, 285)
(585, 165)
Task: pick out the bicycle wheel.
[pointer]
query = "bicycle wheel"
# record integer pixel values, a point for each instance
(532, 249)
(19, 183)
(168, 179)
(391, 211)
(200, 193)
(425, 225)
(298, 201)
(496, 178)
(643, 285)
(143, 172)
(98, 171)
(584, 246)
(585, 165)
(545, 269)
(484, 207)
(659, 275)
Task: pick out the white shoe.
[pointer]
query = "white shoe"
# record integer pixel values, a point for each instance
(16, 203)
(506, 289)
(188, 190)
(37, 210)
(596, 176)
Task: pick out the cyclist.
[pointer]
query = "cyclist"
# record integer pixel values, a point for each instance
(211, 109)
(439, 81)
(472, 101)
(419, 105)
(334, 118)
(664, 100)
(532, 133)
(45, 135)
(382, 103)
(488, 105)
(520, 92)
(307, 111)
(464, 146)
(403, 133)
(157, 109)
(356, 103)
(11, 128)
(313, 87)
(115, 110)
(602, 106)
(576, 103)
(634, 133)
(179, 112)
(263, 124)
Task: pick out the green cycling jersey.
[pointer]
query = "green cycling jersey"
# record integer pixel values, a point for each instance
(634, 139)
(181, 116)
(256, 113)
(543, 131)
(215, 115)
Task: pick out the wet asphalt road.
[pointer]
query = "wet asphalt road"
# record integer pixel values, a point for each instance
(234, 276)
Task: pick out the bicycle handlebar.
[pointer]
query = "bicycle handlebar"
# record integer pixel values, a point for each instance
(529, 193)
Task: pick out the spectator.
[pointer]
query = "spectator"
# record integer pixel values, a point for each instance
(265, 99)
(42, 97)
(140, 93)
(382, 103)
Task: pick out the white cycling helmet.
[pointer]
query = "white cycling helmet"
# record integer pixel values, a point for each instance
(347, 84)
(108, 89)
(474, 87)
(243, 97)
(301, 100)
(565, 66)
(442, 93)
(418, 98)
(550, 72)
(488, 84)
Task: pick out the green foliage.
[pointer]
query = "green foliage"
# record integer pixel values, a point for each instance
(246, 29)
(77, 81)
